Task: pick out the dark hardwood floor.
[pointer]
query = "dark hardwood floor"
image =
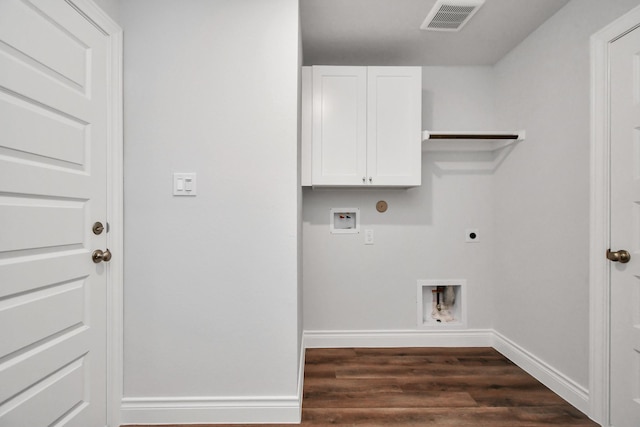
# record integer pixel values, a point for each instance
(453, 387)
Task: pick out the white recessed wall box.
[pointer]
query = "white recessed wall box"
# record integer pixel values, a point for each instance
(344, 220)
(442, 304)
(450, 15)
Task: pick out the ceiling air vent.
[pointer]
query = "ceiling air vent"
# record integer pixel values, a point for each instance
(450, 15)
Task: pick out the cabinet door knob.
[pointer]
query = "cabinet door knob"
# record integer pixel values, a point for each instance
(364, 179)
(370, 180)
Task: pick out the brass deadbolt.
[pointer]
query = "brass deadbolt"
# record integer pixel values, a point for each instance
(97, 228)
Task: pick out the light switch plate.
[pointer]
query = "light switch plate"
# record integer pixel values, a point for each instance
(184, 184)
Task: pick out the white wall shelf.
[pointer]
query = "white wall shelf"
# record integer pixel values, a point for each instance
(455, 316)
(469, 141)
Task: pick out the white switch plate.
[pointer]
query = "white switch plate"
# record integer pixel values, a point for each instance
(368, 236)
(184, 184)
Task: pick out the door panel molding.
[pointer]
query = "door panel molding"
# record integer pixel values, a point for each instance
(599, 266)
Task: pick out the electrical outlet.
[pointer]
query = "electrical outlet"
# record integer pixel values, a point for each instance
(368, 236)
(471, 235)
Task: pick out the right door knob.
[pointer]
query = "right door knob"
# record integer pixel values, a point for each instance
(98, 256)
(621, 256)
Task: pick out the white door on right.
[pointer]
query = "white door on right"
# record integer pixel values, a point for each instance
(625, 230)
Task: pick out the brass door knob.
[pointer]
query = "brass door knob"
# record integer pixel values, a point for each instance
(98, 256)
(620, 256)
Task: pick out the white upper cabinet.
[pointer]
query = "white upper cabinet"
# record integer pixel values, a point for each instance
(339, 138)
(394, 125)
(365, 126)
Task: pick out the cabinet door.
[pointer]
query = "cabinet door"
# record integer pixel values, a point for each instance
(339, 125)
(394, 126)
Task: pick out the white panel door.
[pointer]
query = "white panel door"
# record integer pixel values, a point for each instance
(394, 130)
(625, 230)
(53, 134)
(339, 125)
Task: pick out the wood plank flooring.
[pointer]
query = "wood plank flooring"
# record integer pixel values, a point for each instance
(426, 387)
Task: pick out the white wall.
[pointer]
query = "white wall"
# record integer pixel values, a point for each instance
(349, 286)
(541, 194)
(111, 7)
(211, 282)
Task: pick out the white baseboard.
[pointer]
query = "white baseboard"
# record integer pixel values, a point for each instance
(199, 410)
(399, 338)
(563, 386)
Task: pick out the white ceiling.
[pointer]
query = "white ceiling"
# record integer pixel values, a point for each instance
(387, 32)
